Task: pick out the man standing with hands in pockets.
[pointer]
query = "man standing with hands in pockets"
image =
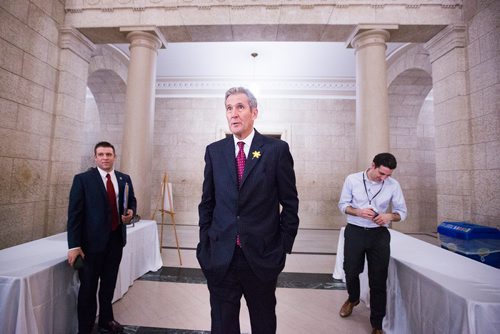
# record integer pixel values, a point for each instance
(365, 199)
(248, 219)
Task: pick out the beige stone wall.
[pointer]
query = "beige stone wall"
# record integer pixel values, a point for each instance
(412, 135)
(323, 146)
(320, 133)
(465, 80)
(412, 142)
(426, 212)
(182, 129)
(105, 102)
(68, 129)
(29, 55)
(453, 137)
(92, 131)
(321, 137)
(483, 62)
(48, 129)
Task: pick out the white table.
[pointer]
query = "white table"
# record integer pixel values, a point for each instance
(38, 289)
(432, 290)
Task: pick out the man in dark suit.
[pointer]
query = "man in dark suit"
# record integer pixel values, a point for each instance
(96, 232)
(247, 223)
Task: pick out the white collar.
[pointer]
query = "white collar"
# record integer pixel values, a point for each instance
(368, 179)
(104, 173)
(247, 140)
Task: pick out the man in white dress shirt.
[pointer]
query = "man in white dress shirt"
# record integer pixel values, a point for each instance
(365, 199)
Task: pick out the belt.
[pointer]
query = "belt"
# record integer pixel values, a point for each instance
(367, 228)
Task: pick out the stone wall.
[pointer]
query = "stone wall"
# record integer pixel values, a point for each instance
(29, 56)
(483, 61)
(320, 133)
(68, 138)
(47, 134)
(466, 80)
(105, 102)
(412, 135)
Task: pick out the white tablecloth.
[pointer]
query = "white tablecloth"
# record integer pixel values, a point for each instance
(432, 290)
(38, 289)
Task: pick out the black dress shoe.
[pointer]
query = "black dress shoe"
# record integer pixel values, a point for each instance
(111, 327)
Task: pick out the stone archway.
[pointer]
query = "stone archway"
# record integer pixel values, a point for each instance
(412, 132)
(105, 106)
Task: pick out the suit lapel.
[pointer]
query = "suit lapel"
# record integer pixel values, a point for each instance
(102, 187)
(252, 161)
(228, 153)
(121, 190)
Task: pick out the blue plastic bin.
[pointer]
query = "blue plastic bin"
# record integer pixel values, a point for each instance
(478, 242)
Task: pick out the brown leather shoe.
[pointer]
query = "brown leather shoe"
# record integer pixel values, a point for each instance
(111, 327)
(346, 309)
(377, 331)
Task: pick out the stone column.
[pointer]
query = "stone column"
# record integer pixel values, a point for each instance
(67, 138)
(372, 105)
(137, 144)
(452, 120)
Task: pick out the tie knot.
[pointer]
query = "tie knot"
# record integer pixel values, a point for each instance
(108, 176)
(241, 144)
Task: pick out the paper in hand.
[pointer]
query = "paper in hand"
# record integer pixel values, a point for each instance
(125, 199)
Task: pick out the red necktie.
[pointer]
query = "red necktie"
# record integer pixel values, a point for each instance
(240, 168)
(240, 162)
(110, 189)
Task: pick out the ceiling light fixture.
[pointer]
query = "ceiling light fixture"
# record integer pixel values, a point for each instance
(254, 87)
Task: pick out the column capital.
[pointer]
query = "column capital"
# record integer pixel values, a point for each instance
(362, 30)
(451, 37)
(370, 37)
(70, 38)
(149, 36)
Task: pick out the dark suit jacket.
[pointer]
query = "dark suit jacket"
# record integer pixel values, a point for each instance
(253, 211)
(89, 214)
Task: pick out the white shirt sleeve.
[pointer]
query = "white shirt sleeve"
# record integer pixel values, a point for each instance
(346, 195)
(398, 202)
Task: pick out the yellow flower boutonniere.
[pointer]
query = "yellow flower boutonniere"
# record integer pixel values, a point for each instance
(256, 154)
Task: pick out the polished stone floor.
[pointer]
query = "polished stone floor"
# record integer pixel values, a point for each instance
(285, 280)
(175, 299)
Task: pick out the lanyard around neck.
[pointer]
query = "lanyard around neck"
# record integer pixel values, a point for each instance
(366, 190)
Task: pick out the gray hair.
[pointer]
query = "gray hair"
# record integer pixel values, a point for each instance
(252, 101)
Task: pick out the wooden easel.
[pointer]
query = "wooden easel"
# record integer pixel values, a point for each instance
(167, 207)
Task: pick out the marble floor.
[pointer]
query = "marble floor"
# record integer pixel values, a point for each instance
(175, 299)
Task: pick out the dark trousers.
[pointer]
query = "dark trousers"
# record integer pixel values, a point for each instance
(375, 244)
(225, 299)
(101, 266)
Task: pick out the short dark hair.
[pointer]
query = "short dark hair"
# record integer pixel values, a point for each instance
(385, 159)
(103, 144)
(252, 101)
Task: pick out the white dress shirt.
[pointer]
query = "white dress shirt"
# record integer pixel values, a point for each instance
(247, 141)
(112, 174)
(354, 195)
